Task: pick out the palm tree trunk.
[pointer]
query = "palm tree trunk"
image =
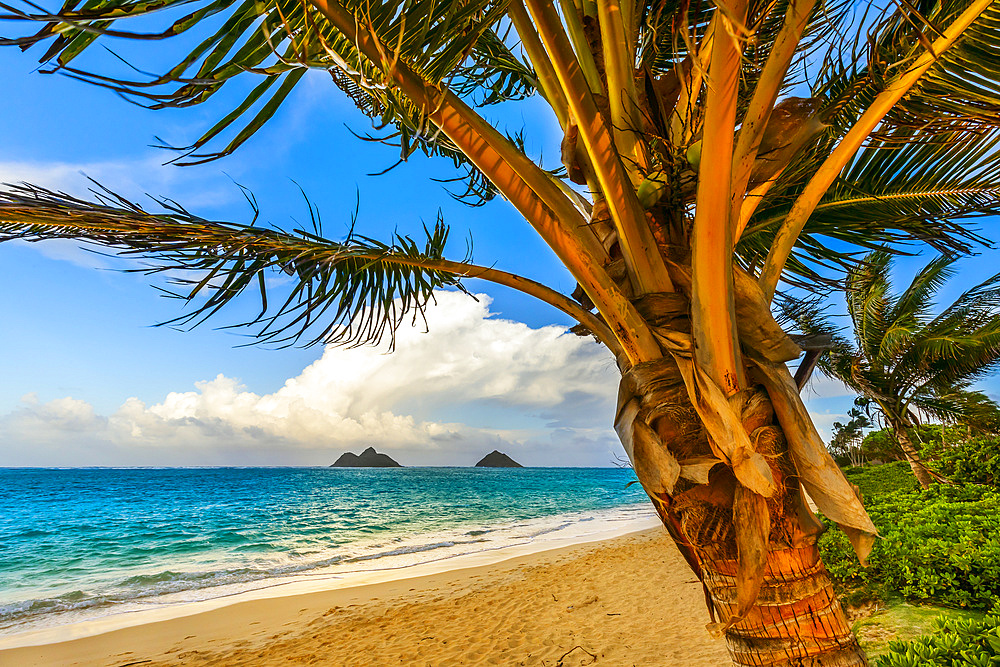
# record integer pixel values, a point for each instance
(774, 605)
(920, 471)
(797, 618)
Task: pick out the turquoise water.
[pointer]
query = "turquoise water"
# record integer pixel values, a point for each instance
(80, 543)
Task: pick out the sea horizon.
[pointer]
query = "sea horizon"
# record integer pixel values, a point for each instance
(79, 544)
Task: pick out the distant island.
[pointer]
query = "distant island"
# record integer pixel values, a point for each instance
(368, 459)
(497, 459)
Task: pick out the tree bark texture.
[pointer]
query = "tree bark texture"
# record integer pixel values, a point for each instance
(727, 473)
(768, 593)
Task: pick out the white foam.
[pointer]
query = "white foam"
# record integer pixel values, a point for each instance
(366, 563)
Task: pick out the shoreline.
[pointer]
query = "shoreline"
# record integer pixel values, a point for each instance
(305, 584)
(443, 600)
(136, 540)
(409, 556)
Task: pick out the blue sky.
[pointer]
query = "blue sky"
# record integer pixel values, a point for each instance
(81, 354)
(78, 329)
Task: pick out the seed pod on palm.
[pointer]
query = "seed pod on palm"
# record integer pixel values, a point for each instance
(794, 123)
(570, 155)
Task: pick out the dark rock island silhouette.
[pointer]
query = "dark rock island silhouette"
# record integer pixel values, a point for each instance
(497, 459)
(368, 459)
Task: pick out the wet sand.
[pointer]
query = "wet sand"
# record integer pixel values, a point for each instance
(630, 600)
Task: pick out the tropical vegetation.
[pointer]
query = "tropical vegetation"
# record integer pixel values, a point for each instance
(967, 460)
(940, 550)
(907, 361)
(971, 643)
(883, 446)
(712, 153)
(957, 453)
(846, 443)
(938, 546)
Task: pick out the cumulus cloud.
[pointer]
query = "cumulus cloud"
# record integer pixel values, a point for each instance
(824, 422)
(49, 422)
(822, 386)
(828, 401)
(468, 384)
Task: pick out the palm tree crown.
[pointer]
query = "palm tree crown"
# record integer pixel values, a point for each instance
(902, 356)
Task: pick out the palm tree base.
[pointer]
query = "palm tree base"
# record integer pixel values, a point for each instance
(767, 591)
(796, 620)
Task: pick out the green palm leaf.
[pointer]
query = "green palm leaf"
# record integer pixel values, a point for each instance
(958, 92)
(280, 40)
(907, 188)
(352, 292)
(902, 357)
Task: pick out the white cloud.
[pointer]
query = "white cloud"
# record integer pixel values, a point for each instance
(470, 384)
(828, 401)
(824, 422)
(473, 383)
(46, 422)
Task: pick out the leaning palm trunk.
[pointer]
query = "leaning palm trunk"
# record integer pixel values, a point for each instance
(923, 474)
(775, 606)
(737, 511)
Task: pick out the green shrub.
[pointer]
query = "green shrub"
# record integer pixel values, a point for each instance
(881, 445)
(884, 446)
(953, 642)
(937, 546)
(969, 461)
(879, 480)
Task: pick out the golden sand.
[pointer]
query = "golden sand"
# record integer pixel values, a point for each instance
(627, 601)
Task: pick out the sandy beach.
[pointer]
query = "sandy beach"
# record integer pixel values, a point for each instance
(630, 600)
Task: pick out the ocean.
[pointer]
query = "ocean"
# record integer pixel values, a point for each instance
(84, 544)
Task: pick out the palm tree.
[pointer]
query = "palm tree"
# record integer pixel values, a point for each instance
(904, 359)
(689, 190)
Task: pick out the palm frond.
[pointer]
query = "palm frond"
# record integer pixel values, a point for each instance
(279, 41)
(849, 81)
(958, 92)
(959, 405)
(353, 292)
(810, 317)
(914, 302)
(979, 411)
(973, 308)
(906, 189)
(962, 356)
(350, 292)
(960, 89)
(662, 45)
(869, 302)
(907, 313)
